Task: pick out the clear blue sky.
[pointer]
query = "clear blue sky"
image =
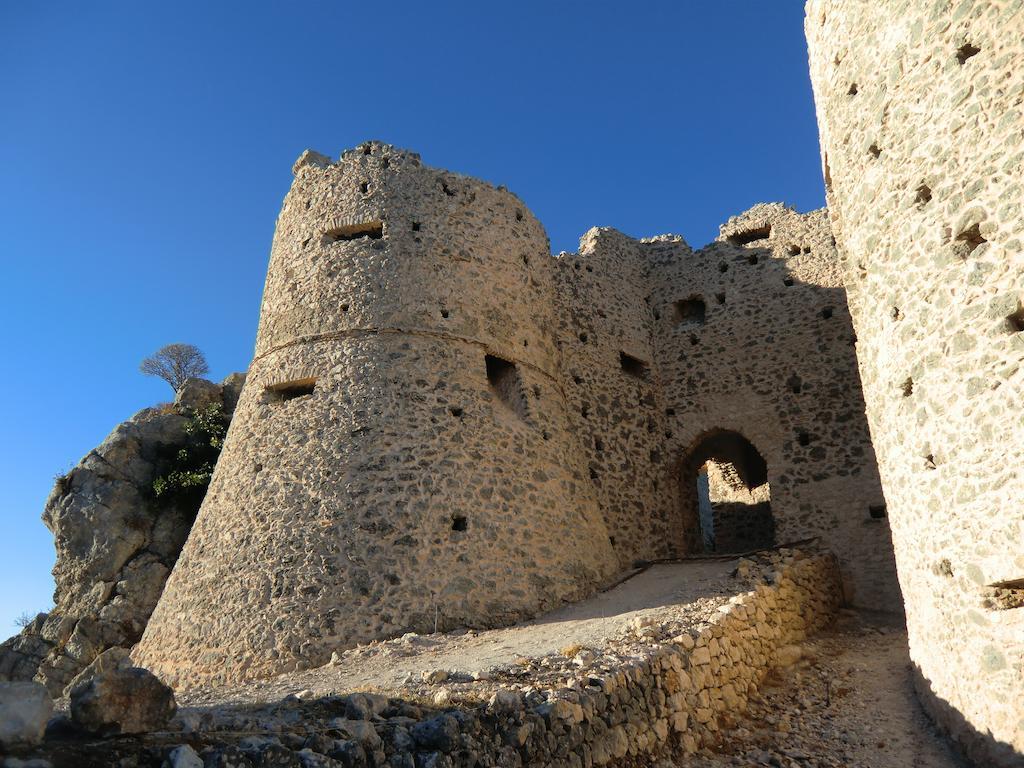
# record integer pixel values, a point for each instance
(145, 149)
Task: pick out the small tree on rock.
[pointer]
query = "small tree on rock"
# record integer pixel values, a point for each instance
(175, 363)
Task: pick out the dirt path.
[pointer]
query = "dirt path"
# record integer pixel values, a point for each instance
(693, 589)
(847, 703)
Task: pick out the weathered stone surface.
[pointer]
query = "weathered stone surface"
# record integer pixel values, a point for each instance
(122, 700)
(443, 419)
(115, 543)
(922, 138)
(25, 708)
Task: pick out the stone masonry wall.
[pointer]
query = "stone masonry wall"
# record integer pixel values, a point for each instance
(445, 426)
(741, 517)
(750, 335)
(772, 359)
(922, 134)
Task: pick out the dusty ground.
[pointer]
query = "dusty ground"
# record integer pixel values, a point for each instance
(848, 702)
(691, 590)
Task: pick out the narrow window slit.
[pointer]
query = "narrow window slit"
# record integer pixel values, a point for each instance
(373, 230)
(289, 390)
(503, 377)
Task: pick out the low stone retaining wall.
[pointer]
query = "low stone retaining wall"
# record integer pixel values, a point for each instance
(663, 688)
(678, 694)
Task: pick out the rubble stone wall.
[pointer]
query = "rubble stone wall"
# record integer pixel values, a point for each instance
(445, 426)
(922, 135)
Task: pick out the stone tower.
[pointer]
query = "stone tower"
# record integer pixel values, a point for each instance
(401, 457)
(921, 115)
(444, 425)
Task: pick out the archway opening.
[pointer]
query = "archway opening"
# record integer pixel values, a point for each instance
(725, 495)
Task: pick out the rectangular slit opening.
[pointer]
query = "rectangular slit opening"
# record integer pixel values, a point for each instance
(1005, 595)
(373, 230)
(748, 236)
(289, 390)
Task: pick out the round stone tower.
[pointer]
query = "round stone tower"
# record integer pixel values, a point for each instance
(922, 138)
(401, 458)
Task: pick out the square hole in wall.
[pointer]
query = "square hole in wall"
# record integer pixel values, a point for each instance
(876, 511)
(690, 310)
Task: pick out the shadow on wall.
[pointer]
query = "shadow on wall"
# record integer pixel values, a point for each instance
(755, 350)
(979, 748)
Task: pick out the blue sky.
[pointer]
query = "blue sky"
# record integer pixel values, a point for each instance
(145, 149)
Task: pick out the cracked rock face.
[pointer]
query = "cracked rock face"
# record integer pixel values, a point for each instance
(116, 542)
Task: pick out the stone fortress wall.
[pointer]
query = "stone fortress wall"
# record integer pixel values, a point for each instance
(746, 340)
(403, 458)
(920, 116)
(445, 426)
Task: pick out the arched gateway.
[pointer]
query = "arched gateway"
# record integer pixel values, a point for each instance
(724, 493)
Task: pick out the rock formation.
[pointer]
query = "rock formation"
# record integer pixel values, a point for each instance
(116, 542)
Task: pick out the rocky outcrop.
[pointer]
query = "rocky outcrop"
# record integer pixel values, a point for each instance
(121, 700)
(116, 540)
(25, 708)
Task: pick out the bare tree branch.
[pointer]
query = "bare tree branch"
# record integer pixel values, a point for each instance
(175, 363)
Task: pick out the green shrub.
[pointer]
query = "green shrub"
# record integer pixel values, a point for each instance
(191, 467)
